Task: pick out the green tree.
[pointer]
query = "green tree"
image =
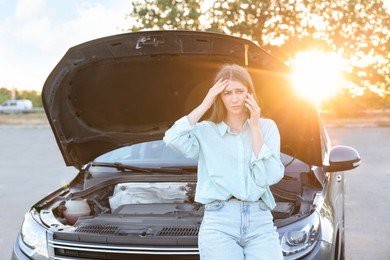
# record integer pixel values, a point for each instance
(357, 30)
(165, 14)
(4, 94)
(32, 95)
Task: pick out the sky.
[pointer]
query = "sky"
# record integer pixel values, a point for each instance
(35, 34)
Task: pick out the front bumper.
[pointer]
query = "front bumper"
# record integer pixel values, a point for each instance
(17, 253)
(323, 250)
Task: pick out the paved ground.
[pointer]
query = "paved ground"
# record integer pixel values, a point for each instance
(31, 167)
(29, 155)
(368, 192)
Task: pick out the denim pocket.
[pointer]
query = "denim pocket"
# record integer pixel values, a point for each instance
(215, 205)
(262, 206)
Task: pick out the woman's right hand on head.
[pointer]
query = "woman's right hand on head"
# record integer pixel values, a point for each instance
(214, 91)
(208, 101)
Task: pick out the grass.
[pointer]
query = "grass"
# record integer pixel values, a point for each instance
(36, 118)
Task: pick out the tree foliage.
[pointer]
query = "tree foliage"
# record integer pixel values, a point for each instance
(4, 94)
(357, 30)
(166, 14)
(34, 96)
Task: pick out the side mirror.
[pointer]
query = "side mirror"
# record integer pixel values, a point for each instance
(343, 158)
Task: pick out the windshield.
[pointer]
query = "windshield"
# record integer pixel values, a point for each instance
(151, 154)
(155, 154)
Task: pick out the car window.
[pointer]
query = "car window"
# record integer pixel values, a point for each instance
(153, 152)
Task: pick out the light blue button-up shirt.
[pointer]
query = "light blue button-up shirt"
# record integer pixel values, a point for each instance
(227, 165)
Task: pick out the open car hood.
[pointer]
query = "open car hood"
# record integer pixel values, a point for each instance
(129, 88)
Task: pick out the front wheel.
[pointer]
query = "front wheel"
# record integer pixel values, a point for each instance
(342, 249)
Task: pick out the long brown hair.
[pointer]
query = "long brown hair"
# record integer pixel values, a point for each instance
(231, 72)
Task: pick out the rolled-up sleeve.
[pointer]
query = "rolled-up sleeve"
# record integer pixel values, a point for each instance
(181, 138)
(266, 168)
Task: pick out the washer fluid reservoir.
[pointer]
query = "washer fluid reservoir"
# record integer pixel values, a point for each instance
(76, 208)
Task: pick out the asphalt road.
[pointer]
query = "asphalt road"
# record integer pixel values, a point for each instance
(31, 166)
(367, 205)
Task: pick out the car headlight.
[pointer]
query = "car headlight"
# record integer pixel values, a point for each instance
(301, 237)
(33, 236)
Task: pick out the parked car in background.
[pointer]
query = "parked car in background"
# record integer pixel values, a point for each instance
(14, 106)
(109, 102)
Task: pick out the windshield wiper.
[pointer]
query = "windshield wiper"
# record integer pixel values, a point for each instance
(126, 167)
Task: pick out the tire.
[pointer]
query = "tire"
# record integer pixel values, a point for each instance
(342, 247)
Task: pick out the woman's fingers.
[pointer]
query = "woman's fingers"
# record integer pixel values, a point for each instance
(252, 105)
(250, 100)
(220, 82)
(214, 91)
(219, 86)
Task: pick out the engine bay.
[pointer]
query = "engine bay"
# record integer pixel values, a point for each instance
(162, 209)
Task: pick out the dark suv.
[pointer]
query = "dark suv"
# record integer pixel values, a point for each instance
(109, 102)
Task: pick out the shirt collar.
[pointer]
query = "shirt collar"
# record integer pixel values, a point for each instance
(223, 128)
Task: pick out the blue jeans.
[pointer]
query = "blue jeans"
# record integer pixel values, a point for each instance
(237, 230)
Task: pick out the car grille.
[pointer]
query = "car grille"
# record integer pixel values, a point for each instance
(166, 231)
(179, 231)
(103, 242)
(74, 250)
(98, 229)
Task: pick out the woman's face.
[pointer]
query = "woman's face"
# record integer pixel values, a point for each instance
(233, 97)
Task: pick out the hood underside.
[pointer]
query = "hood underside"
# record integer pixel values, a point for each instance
(130, 88)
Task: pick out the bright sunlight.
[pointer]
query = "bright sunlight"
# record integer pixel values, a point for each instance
(318, 75)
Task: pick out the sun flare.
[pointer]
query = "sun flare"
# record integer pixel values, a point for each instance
(317, 74)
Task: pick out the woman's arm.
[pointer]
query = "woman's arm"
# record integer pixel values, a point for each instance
(180, 137)
(207, 102)
(266, 167)
(257, 135)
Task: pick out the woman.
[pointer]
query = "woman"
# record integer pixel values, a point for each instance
(238, 159)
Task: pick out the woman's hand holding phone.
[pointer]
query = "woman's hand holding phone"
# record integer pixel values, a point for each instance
(257, 135)
(253, 108)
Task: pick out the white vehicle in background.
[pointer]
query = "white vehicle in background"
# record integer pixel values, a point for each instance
(16, 106)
